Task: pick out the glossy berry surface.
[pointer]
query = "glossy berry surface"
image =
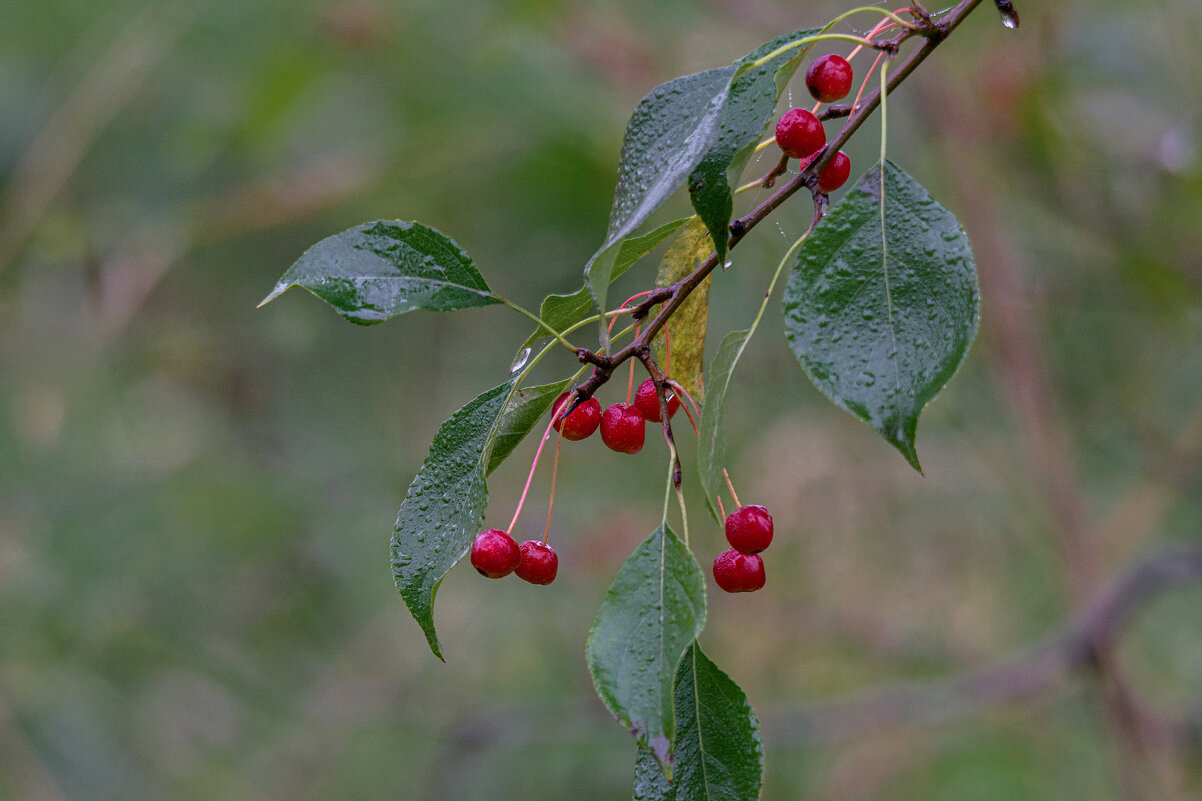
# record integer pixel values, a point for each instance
(749, 529)
(829, 78)
(739, 572)
(835, 174)
(495, 554)
(581, 422)
(799, 133)
(644, 398)
(623, 428)
(538, 564)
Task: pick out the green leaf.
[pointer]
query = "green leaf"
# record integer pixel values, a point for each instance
(668, 133)
(719, 756)
(748, 111)
(653, 610)
(563, 311)
(381, 269)
(688, 325)
(443, 510)
(882, 304)
(521, 414)
(650, 783)
(711, 437)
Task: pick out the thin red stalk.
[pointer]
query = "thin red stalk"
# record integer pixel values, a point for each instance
(530, 477)
(730, 486)
(864, 83)
(684, 393)
(635, 296)
(692, 422)
(880, 27)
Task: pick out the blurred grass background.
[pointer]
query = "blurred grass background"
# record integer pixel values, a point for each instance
(196, 497)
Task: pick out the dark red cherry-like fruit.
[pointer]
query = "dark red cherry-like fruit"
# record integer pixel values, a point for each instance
(799, 133)
(579, 423)
(749, 529)
(739, 572)
(538, 564)
(835, 174)
(829, 78)
(495, 554)
(623, 428)
(644, 398)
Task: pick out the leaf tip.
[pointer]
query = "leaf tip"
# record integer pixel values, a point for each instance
(280, 289)
(661, 748)
(905, 445)
(435, 646)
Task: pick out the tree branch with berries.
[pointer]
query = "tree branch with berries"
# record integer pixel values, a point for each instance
(880, 305)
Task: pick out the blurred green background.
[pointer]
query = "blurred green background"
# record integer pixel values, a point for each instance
(196, 496)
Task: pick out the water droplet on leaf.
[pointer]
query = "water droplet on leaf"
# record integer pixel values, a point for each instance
(520, 361)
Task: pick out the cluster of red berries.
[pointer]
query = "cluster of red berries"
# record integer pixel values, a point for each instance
(623, 425)
(495, 554)
(740, 568)
(800, 134)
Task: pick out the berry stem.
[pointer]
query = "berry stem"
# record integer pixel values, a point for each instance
(731, 487)
(864, 83)
(625, 304)
(809, 40)
(721, 511)
(684, 393)
(891, 15)
(530, 476)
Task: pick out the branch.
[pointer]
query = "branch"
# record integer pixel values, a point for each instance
(932, 35)
(1074, 649)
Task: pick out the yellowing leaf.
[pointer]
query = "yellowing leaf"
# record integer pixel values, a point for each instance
(686, 331)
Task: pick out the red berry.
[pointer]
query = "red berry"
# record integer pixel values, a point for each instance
(829, 78)
(538, 564)
(581, 422)
(799, 133)
(623, 428)
(835, 174)
(739, 572)
(495, 554)
(644, 398)
(749, 529)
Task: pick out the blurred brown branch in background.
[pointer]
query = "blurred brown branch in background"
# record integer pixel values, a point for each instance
(1072, 651)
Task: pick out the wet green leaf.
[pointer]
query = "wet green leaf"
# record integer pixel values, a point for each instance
(711, 439)
(746, 116)
(443, 510)
(525, 408)
(653, 610)
(719, 756)
(882, 304)
(650, 783)
(563, 311)
(381, 269)
(668, 133)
